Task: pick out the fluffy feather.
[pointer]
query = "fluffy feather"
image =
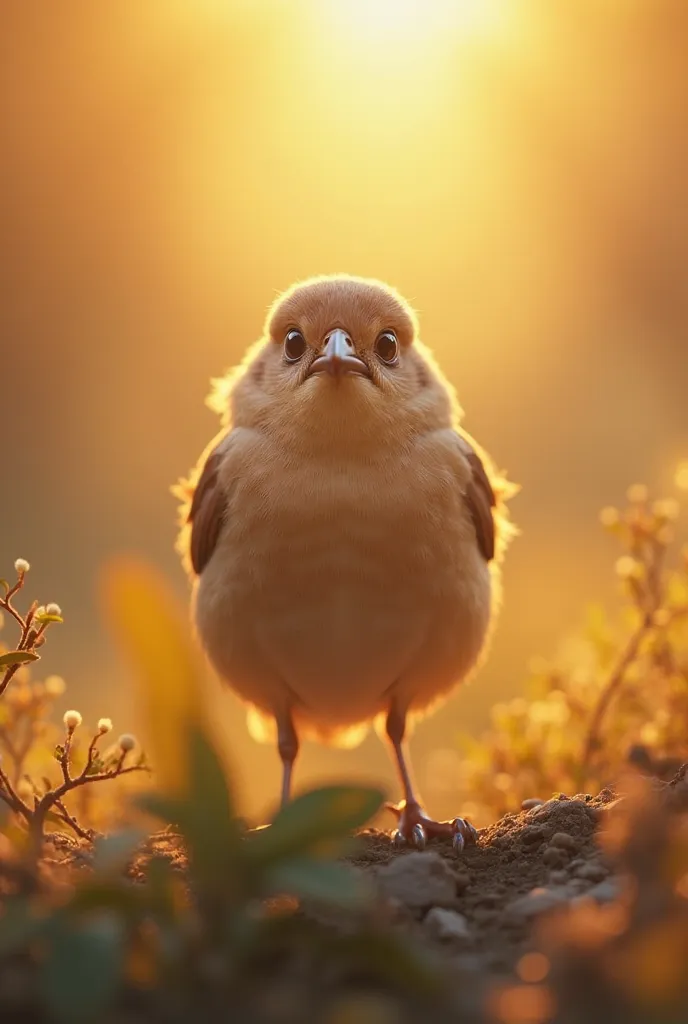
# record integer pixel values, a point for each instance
(348, 533)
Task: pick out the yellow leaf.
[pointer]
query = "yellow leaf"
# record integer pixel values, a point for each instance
(153, 631)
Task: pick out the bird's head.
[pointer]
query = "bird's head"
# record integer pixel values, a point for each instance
(342, 350)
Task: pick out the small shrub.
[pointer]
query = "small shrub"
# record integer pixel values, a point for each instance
(618, 691)
(30, 744)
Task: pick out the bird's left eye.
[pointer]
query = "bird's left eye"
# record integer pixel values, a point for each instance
(294, 346)
(387, 347)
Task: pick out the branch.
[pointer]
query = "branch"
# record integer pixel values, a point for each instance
(629, 652)
(68, 819)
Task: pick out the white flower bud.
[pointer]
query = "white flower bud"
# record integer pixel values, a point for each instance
(104, 725)
(53, 609)
(609, 516)
(54, 686)
(41, 610)
(72, 720)
(629, 568)
(126, 742)
(21, 566)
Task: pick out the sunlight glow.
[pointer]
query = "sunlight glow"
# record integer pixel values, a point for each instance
(681, 477)
(396, 21)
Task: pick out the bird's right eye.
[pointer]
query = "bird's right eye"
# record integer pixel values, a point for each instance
(294, 346)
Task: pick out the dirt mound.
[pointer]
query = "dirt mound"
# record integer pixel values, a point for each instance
(480, 905)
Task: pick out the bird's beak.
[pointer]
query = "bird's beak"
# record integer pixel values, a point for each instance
(338, 357)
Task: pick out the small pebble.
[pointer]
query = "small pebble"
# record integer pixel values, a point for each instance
(577, 886)
(558, 877)
(592, 872)
(552, 856)
(605, 892)
(418, 880)
(564, 841)
(532, 834)
(531, 803)
(537, 901)
(447, 925)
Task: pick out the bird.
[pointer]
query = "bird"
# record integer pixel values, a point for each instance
(343, 534)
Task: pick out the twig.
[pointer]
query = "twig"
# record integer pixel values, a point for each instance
(70, 820)
(9, 796)
(629, 652)
(49, 800)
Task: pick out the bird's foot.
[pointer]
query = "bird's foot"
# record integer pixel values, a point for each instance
(414, 828)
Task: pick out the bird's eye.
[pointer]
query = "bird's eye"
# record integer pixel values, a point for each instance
(387, 347)
(294, 346)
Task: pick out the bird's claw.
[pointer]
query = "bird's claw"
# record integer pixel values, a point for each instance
(418, 837)
(464, 834)
(414, 829)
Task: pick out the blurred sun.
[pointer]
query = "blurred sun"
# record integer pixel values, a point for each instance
(393, 20)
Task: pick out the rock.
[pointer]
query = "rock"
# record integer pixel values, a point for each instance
(537, 901)
(552, 856)
(592, 872)
(531, 803)
(605, 892)
(448, 925)
(558, 877)
(418, 880)
(558, 805)
(564, 841)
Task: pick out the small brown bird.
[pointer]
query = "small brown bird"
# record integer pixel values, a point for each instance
(342, 532)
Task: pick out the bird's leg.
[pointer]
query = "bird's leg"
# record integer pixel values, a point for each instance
(288, 746)
(413, 825)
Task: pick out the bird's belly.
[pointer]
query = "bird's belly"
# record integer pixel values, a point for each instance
(332, 611)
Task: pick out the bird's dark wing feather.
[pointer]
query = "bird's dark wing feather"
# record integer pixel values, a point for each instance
(207, 512)
(480, 498)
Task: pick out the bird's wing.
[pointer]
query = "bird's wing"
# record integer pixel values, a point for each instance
(481, 500)
(207, 511)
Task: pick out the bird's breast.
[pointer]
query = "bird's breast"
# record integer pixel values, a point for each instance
(332, 578)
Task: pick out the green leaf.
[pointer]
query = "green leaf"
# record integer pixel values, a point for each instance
(19, 925)
(45, 617)
(81, 973)
(168, 809)
(5, 584)
(204, 815)
(16, 658)
(209, 822)
(107, 893)
(324, 881)
(331, 812)
(96, 766)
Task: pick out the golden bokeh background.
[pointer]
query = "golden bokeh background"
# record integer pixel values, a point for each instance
(517, 168)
